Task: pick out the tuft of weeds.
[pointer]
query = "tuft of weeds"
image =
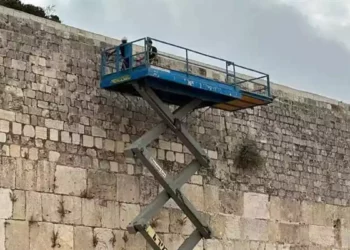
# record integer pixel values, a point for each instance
(248, 155)
(54, 240)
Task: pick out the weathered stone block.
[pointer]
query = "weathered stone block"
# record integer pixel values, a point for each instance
(109, 145)
(195, 195)
(53, 135)
(313, 213)
(289, 233)
(148, 189)
(73, 210)
(110, 214)
(2, 234)
(7, 115)
(211, 199)
(54, 156)
(128, 212)
(69, 180)
(28, 131)
(213, 244)
(65, 137)
(54, 124)
(165, 145)
(135, 242)
(231, 202)
(15, 150)
(8, 172)
(284, 209)
(91, 213)
(41, 133)
(45, 176)
(4, 126)
(102, 184)
(53, 207)
(98, 132)
(17, 235)
(40, 235)
(88, 141)
(256, 206)
(65, 237)
(33, 206)
(233, 228)
(83, 238)
(76, 139)
(320, 235)
(2, 137)
(160, 222)
(345, 238)
(128, 188)
(33, 154)
(179, 223)
(119, 147)
(16, 128)
(5, 204)
(255, 229)
(218, 225)
(25, 174)
(104, 237)
(19, 206)
(177, 147)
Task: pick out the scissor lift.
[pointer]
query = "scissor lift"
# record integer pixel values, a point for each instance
(138, 74)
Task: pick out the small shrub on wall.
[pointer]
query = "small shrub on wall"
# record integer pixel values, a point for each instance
(31, 9)
(248, 156)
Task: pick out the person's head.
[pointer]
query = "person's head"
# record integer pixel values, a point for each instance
(124, 40)
(149, 41)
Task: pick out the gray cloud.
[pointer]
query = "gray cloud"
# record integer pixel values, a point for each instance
(266, 35)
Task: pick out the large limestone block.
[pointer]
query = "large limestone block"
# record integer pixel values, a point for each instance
(71, 181)
(211, 199)
(102, 185)
(128, 188)
(179, 223)
(104, 239)
(195, 195)
(284, 209)
(231, 202)
(5, 203)
(232, 228)
(128, 212)
(65, 237)
(41, 235)
(73, 209)
(19, 206)
(313, 213)
(17, 235)
(34, 206)
(135, 242)
(255, 229)
(320, 235)
(256, 206)
(83, 238)
(173, 241)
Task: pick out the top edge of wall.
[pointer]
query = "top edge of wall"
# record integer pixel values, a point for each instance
(290, 93)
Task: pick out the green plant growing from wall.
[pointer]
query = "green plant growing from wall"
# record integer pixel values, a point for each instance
(248, 156)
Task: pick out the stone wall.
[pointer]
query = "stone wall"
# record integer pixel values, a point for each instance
(65, 182)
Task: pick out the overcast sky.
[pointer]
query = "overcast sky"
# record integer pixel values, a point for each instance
(304, 44)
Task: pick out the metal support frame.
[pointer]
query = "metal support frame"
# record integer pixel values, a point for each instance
(171, 185)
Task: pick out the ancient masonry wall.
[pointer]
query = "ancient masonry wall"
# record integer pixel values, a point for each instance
(65, 182)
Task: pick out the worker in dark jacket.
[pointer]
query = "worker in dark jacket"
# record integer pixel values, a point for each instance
(152, 51)
(125, 59)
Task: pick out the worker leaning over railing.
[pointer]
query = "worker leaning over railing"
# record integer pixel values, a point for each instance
(152, 53)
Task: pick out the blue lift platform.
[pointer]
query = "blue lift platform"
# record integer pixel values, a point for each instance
(136, 69)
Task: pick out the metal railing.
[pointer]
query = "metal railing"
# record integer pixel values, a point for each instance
(112, 62)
